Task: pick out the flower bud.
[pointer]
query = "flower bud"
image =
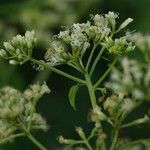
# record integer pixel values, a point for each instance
(97, 115)
(145, 119)
(125, 23)
(111, 18)
(13, 62)
(65, 141)
(110, 104)
(81, 133)
(8, 46)
(3, 53)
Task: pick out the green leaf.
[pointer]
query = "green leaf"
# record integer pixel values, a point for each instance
(72, 95)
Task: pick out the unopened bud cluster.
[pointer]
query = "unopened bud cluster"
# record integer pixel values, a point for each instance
(118, 46)
(19, 49)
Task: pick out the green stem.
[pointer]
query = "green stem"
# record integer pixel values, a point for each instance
(30, 137)
(88, 145)
(35, 100)
(73, 66)
(103, 146)
(75, 143)
(96, 61)
(37, 143)
(57, 71)
(115, 139)
(105, 74)
(136, 122)
(91, 90)
(11, 137)
(93, 134)
(86, 142)
(129, 145)
(90, 57)
(116, 130)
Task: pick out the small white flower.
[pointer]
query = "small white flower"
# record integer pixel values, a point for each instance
(64, 35)
(97, 115)
(36, 90)
(137, 94)
(128, 104)
(111, 18)
(100, 21)
(54, 54)
(111, 15)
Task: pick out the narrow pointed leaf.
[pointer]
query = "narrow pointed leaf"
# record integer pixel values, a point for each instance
(72, 95)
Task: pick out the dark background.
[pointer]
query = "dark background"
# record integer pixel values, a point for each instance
(46, 17)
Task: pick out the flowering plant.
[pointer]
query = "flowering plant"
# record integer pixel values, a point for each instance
(76, 47)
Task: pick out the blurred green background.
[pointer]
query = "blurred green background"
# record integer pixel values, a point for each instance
(46, 17)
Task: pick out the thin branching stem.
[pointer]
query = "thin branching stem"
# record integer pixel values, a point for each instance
(73, 66)
(105, 74)
(115, 139)
(37, 143)
(96, 61)
(38, 62)
(88, 145)
(90, 57)
(5, 140)
(31, 137)
(130, 144)
(75, 143)
(91, 90)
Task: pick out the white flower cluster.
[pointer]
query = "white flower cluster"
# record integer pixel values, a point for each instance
(54, 54)
(19, 49)
(36, 91)
(100, 30)
(97, 29)
(16, 107)
(75, 36)
(11, 103)
(131, 80)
